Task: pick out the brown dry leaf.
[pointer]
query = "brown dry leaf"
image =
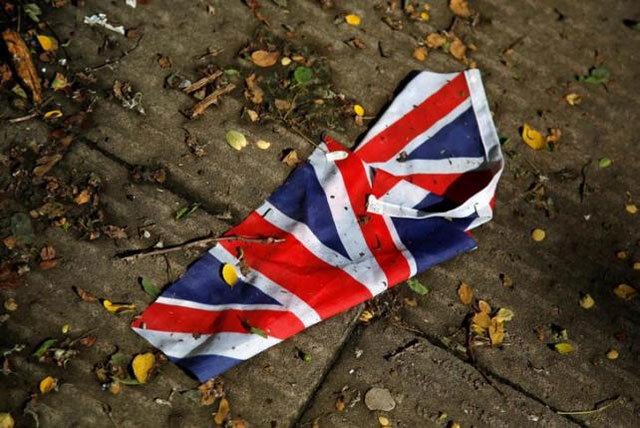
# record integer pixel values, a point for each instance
(84, 295)
(554, 136)
(420, 53)
(291, 158)
(254, 92)
(10, 242)
(60, 82)
(23, 63)
(435, 40)
(465, 293)
(48, 257)
(263, 58)
(5, 74)
(210, 390)
(223, 411)
(625, 291)
(115, 232)
(83, 197)
(573, 99)
(484, 306)
(480, 322)
(457, 49)
(460, 8)
(45, 163)
(283, 105)
(340, 404)
(164, 62)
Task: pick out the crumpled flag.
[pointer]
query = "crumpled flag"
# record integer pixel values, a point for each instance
(351, 225)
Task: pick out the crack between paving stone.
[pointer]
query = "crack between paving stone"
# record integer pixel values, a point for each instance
(353, 330)
(487, 373)
(169, 185)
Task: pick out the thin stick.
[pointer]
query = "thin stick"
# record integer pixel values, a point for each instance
(608, 403)
(24, 118)
(200, 107)
(147, 252)
(202, 82)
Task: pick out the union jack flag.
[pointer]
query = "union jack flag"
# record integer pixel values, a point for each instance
(350, 224)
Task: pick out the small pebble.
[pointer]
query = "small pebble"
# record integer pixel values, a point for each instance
(379, 399)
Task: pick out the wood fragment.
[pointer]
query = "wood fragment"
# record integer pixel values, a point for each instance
(201, 83)
(200, 107)
(200, 242)
(23, 63)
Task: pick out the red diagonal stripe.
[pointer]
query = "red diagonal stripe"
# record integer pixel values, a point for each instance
(179, 319)
(326, 288)
(389, 142)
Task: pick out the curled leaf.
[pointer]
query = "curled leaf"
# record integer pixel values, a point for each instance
(533, 138)
(142, 365)
(116, 308)
(263, 58)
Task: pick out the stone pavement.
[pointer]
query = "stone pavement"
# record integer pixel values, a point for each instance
(406, 350)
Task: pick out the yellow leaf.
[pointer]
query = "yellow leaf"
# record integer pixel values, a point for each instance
(435, 40)
(573, 99)
(264, 58)
(48, 43)
(420, 53)
(223, 411)
(10, 304)
(358, 109)
(631, 208)
(116, 308)
(353, 19)
(636, 265)
(538, 235)
(622, 255)
(563, 348)
(465, 293)
(53, 114)
(613, 354)
(285, 61)
(142, 365)
(496, 332)
(533, 138)
(424, 16)
(384, 421)
(586, 301)
(47, 384)
(229, 274)
(66, 328)
(60, 82)
(484, 306)
(625, 291)
(263, 145)
(6, 420)
(480, 322)
(460, 8)
(366, 316)
(504, 314)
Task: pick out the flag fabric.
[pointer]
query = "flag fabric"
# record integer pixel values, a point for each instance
(349, 225)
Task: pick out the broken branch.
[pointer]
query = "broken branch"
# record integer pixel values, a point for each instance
(200, 83)
(200, 107)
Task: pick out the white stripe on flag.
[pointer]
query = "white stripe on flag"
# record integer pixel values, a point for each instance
(307, 315)
(359, 269)
(240, 346)
(456, 165)
(415, 93)
(217, 308)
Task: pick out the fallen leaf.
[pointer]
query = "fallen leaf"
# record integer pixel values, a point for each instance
(573, 99)
(253, 92)
(116, 308)
(236, 139)
(149, 287)
(45, 164)
(538, 235)
(533, 138)
(465, 293)
(504, 314)
(282, 105)
(84, 295)
(48, 384)
(631, 208)
(358, 110)
(586, 301)
(353, 19)
(480, 322)
(636, 265)
(458, 49)
(604, 163)
(60, 82)
(291, 158)
(340, 404)
(223, 411)
(6, 420)
(365, 316)
(83, 197)
(612, 354)
(460, 8)
(23, 63)
(10, 304)
(65, 328)
(186, 211)
(142, 365)
(48, 43)
(625, 291)
(229, 274)
(553, 137)
(435, 40)
(44, 346)
(303, 75)
(53, 114)
(417, 287)
(210, 390)
(496, 332)
(506, 280)
(484, 307)
(563, 348)
(263, 145)
(420, 53)
(164, 62)
(263, 58)
(596, 75)
(384, 422)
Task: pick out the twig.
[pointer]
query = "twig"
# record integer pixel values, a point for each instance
(200, 107)
(297, 131)
(607, 403)
(202, 82)
(147, 252)
(24, 118)
(109, 62)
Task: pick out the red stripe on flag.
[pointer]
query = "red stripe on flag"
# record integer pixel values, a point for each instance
(179, 319)
(455, 187)
(326, 288)
(373, 227)
(393, 139)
